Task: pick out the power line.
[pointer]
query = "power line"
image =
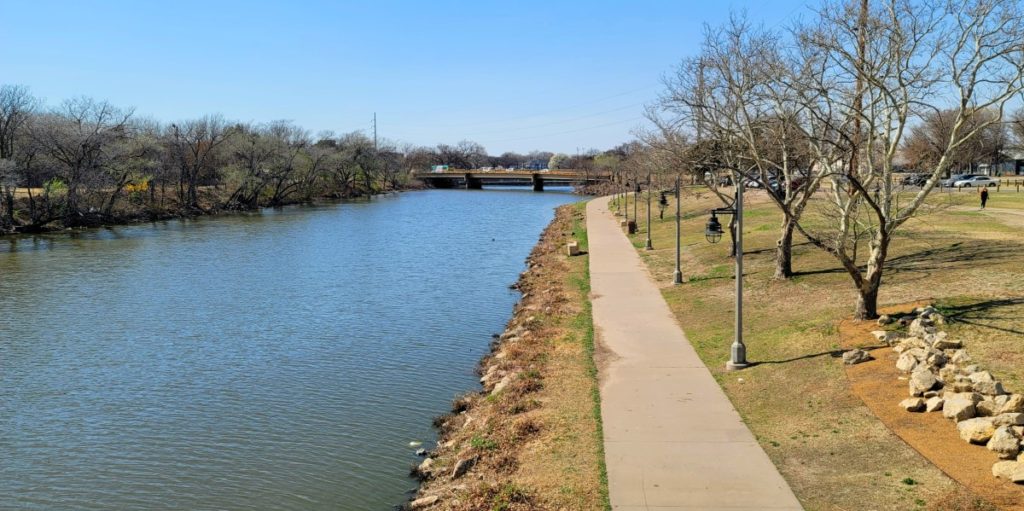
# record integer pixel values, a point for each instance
(565, 132)
(563, 121)
(531, 116)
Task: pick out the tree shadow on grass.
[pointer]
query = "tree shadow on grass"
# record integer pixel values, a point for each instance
(984, 313)
(936, 260)
(838, 353)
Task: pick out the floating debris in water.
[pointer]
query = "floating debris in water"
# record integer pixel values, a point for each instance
(415, 444)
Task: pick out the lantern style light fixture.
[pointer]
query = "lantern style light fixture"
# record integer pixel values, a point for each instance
(713, 231)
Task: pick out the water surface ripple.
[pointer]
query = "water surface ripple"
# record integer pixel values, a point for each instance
(280, 360)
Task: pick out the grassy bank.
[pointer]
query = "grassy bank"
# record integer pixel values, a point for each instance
(532, 439)
(798, 401)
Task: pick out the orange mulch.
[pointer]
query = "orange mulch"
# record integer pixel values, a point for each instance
(877, 384)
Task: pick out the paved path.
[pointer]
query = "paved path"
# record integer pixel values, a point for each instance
(672, 439)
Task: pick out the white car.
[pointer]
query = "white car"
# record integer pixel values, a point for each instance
(976, 181)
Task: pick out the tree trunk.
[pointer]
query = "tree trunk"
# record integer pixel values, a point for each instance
(867, 301)
(784, 251)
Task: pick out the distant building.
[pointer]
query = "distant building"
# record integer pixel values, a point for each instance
(536, 165)
(1012, 163)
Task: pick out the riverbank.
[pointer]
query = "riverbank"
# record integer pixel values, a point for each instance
(531, 439)
(166, 208)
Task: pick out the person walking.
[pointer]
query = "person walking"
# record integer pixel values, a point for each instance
(984, 197)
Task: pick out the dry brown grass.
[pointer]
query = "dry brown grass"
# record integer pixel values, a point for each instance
(537, 442)
(798, 401)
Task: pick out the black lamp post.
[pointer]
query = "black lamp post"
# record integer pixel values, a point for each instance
(713, 233)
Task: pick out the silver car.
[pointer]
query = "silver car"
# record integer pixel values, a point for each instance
(976, 181)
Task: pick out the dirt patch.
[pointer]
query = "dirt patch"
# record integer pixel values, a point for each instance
(881, 387)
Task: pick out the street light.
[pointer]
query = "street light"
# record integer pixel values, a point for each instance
(713, 233)
(626, 199)
(677, 277)
(636, 197)
(648, 246)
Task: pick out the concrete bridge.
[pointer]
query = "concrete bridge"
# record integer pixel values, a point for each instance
(475, 179)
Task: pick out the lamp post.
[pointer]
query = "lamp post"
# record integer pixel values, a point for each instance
(636, 197)
(648, 246)
(713, 232)
(677, 277)
(626, 199)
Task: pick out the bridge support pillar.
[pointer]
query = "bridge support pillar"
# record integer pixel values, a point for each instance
(538, 183)
(473, 183)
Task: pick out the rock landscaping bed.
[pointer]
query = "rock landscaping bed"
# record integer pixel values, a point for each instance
(966, 422)
(943, 379)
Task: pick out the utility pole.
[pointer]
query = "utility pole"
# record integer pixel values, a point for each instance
(375, 131)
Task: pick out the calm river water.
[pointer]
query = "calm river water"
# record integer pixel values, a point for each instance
(280, 360)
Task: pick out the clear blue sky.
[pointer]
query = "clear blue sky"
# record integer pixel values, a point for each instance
(514, 76)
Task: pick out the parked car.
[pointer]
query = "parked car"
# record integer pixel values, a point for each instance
(915, 179)
(976, 181)
(752, 183)
(956, 177)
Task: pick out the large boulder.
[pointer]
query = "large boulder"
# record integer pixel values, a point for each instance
(423, 502)
(1004, 442)
(1008, 419)
(921, 327)
(913, 404)
(977, 430)
(948, 373)
(1005, 469)
(909, 360)
(981, 376)
(989, 388)
(1014, 404)
(986, 408)
(960, 357)
(933, 404)
(921, 381)
(958, 408)
(856, 356)
(935, 359)
(972, 396)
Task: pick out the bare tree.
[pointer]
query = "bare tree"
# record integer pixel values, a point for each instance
(878, 70)
(194, 147)
(925, 142)
(81, 137)
(738, 98)
(16, 106)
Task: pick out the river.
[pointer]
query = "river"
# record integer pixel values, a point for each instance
(277, 360)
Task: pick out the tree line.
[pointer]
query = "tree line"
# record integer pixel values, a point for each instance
(833, 107)
(88, 162)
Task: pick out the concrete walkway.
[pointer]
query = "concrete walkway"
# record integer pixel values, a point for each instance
(672, 439)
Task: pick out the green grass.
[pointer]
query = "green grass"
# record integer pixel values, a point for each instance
(790, 329)
(584, 322)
